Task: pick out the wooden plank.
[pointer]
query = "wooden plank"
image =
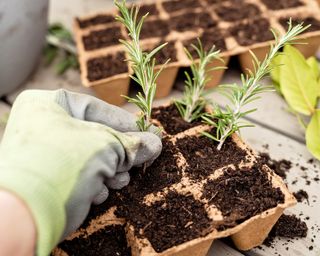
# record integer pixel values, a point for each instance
(218, 248)
(46, 78)
(281, 147)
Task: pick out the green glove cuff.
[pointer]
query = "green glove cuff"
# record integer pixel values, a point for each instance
(43, 201)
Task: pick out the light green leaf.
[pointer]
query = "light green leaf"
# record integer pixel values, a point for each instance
(313, 63)
(276, 69)
(313, 135)
(298, 85)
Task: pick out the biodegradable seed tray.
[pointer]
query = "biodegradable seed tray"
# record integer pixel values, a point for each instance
(190, 196)
(234, 26)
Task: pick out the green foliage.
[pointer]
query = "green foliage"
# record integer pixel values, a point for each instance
(298, 81)
(60, 41)
(142, 63)
(313, 134)
(191, 105)
(228, 120)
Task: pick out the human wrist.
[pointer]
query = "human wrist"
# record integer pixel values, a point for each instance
(18, 230)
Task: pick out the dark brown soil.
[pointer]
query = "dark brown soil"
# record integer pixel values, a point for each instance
(315, 24)
(180, 5)
(170, 222)
(237, 12)
(252, 31)
(301, 195)
(102, 38)
(155, 28)
(96, 20)
(107, 66)
(168, 52)
(203, 157)
(280, 167)
(283, 4)
(242, 193)
(208, 39)
(151, 9)
(110, 241)
(235, 2)
(171, 120)
(192, 20)
(287, 226)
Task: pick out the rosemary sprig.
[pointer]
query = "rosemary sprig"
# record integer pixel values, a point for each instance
(142, 63)
(193, 101)
(227, 121)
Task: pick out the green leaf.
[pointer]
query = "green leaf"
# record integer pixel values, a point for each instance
(313, 64)
(298, 85)
(276, 70)
(313, 135)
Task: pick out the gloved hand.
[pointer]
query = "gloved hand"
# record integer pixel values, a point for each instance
(60, 152)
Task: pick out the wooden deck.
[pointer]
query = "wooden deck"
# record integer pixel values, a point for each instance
(275, 127)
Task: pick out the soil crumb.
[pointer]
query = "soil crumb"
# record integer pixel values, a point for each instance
(289, 226)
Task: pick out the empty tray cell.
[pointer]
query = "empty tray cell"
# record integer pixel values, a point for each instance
(167, 52)
(252, 31)
(106, 66)
(209, 2)
(237, 12)
(201, 152)
(154, 28)
(109, 241)
(96, 20)
(151, 9)
(212, 37)
(242, 193)
(192, 20)
(282, 4)
(97, 39)
(179, 5)
(315, 24)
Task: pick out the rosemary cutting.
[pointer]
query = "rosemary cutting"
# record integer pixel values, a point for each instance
(193, 101)
(142, 63)
(227, 121)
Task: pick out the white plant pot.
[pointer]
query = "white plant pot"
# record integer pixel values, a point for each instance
(23, 26)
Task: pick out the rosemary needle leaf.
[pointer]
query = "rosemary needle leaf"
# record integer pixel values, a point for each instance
(227, 121)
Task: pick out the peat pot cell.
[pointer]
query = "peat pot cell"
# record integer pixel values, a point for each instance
(203, 157)
(102, 38)
(209, 38)
(236, 2)
(163, 173)
(155, 28)
(109, 241)
(315, 24)
(282, 4)
(106, 66)
(167, 52)
(241, 194)
(96, 20)
(237, 12)
(169, 222)
(188, 21)
(252, 31)
(171, 120)
(151, 9)
(180, 5)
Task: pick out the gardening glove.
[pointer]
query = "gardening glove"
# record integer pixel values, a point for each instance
(60, 153)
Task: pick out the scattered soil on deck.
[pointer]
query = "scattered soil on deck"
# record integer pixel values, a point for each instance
(289, 226)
